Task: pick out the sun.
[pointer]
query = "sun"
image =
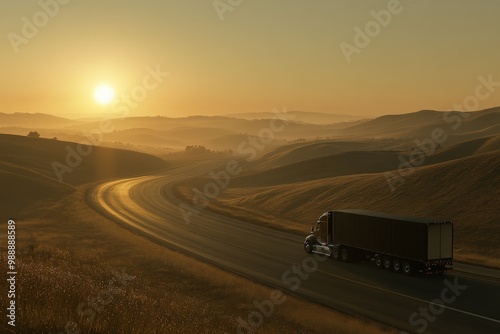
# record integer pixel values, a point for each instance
(104, 94)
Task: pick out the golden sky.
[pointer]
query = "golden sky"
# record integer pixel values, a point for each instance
(229, 56)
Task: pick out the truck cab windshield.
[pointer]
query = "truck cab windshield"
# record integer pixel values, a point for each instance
(321, 229)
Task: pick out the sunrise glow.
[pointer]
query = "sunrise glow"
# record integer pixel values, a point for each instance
(104, 94)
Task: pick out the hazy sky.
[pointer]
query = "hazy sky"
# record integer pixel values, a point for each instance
(265, 54)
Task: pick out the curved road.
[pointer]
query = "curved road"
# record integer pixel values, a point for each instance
(458, 302)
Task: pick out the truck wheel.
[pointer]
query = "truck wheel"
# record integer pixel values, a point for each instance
(407, 268)
(308, 247)
(378, 261)
(396, 264)
(387, 263)
(336, 253)
(345, 255)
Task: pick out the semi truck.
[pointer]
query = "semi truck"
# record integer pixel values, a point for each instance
(402, 244)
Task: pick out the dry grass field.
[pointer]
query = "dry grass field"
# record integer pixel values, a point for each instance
(464, 190)
(69, 255)
(79, 271)
(126, 284)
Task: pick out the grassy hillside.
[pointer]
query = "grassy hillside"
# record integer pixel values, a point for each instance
(35, 120)
(302, 151)
(465, 190)
(78, 260)
(22, 187)
(299, 162)
(27, 173)
(492, 144)
(418, 125)
(465, 149)
(345, 163)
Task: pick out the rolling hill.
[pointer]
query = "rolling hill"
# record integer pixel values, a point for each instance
(34, 120)
(465, 190)
(344, 163)
(418, 125)
(302, 151)
(465, 149)
(215, 132)
(301, 116)
(27, 171)
(324, 159)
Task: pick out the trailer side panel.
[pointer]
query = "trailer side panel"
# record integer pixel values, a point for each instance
(447, 241)
(434, 243)
(403, 238)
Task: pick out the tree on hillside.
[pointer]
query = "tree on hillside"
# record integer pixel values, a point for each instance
(198, 149)
(34, 134)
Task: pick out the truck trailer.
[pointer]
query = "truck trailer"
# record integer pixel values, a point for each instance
(398, 243)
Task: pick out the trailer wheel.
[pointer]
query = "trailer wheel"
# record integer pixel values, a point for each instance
(378, 261)
(396, 264)
(308, 247)
(336, 253)
(387, 263)
(407, 268)
(345, 255)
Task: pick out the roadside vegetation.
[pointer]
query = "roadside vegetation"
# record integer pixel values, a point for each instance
(97, 277)
(463, 190)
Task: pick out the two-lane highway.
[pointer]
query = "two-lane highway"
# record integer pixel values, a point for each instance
(452, 303)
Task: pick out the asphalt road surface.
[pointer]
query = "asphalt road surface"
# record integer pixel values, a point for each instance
(466, 300)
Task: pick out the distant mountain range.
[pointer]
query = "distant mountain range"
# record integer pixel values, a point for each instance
(228, 132)
(302, 116)
(36, 120)
(458, 126)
